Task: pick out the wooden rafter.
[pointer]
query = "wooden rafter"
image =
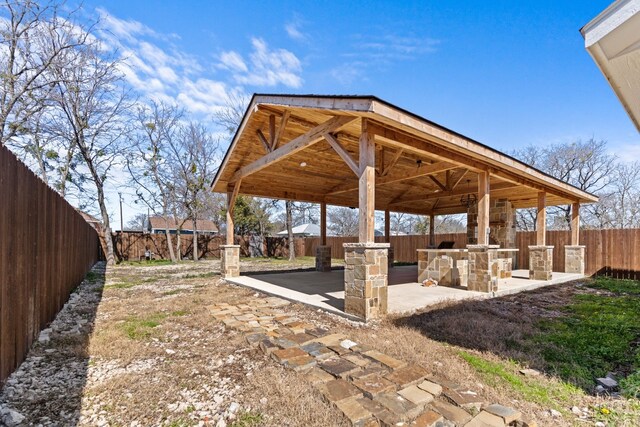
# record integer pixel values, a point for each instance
(442, 186)
(297, 144)
(424, 170)
(452, 193)
(392, 163)
(263, 140)
(343, 153)
(281, 128)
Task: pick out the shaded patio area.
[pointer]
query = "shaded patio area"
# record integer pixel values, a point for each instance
(325, 290)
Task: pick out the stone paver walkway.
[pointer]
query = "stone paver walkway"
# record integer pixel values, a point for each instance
(369, 387)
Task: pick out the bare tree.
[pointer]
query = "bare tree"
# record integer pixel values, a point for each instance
(138, 222)
(193, 153)
(292, 246)
(343, 221)
(150, 162)
(586, 165)
(34, 37)
(231, 114)
(93, 100)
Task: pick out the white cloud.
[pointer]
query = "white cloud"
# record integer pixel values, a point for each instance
(293, 30)
(267, 67)
(348, 72)
(233, 61)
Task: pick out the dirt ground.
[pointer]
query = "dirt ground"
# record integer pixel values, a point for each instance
(136, 346)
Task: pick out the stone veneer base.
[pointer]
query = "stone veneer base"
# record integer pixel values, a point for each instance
(365, 279)
(323, 258)
(540, 262)
(481, 260)
(574, 259)
(229, 260)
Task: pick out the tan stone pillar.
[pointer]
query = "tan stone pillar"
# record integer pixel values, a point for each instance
(574, 259)
(540, 262)
(230, 261)
(482, 269)
(365, 279)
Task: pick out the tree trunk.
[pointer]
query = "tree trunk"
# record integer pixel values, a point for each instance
(111, 259)
(178, 245)
(292, 246)
(172, 254)
(195, 240)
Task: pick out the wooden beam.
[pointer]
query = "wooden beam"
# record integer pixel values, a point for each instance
(444, 194)
(232, 194)
(432, 230)
(297, 144)
(263, 139)
(424, 170)
(387, 226)
(575, 224)
(541, 220)
(392, 163)
(272, 130)
(281, 128)
(323, 224)
(438, 183)
(483, 208)
(455, 183)
(366, 199)
(343, 153)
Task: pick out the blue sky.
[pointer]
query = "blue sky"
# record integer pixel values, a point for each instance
(505, 73)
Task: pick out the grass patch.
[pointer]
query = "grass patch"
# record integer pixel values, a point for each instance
(173, 292)
(555, 395)
(147, 263)
(122, 285)
(139, 328)
(248, 419)
(92, 276)
(596, 335)
(201, 276)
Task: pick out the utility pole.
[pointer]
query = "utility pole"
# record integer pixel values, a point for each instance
(121, 226)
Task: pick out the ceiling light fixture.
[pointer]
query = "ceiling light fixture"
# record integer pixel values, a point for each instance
(469, 199)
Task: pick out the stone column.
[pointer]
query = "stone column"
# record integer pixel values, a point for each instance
(390, 257)
(323, 258)
(230, 261)
(365, 279)
(481, 268)
(574, 259)
(540, 262)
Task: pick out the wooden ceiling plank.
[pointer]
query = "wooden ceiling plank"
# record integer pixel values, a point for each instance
(343, 153)
(452, 193)
(297, 144)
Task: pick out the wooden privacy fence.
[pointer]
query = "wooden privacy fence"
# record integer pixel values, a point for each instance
(613, 253)
(46, 248)
(132, 246)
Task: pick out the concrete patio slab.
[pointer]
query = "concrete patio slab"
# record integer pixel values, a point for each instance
(325, 290)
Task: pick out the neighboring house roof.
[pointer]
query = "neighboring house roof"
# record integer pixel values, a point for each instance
(95, 222)
(613, 40)
(306, 229)
(391, 232)
(159, 223)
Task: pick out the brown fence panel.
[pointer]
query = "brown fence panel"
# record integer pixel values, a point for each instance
(46, 248)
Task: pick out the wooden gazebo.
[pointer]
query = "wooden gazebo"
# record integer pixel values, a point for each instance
(360, 151)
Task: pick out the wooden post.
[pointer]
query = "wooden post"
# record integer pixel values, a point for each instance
(483, 208)
(541, 221)
(323, 224)
(387, 226)
(366, 188)
(232, 193)
(432, 230)
(575, 224)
